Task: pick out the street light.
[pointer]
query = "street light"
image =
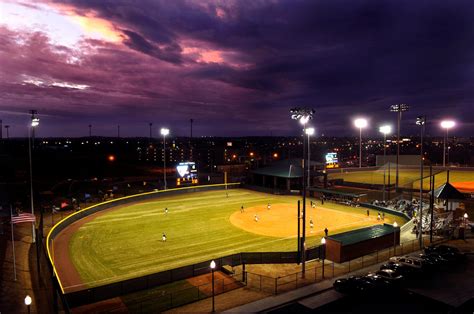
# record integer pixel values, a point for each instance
(303, 115)
(164, 132)
(360, 123)
(323, 245)
(309, 131)
(213, 266)
(34, 123)
(465, 219)
(421, 121)
(384, 129)
(446, 124)
(399, 108)
(395, 225)
(28, 302)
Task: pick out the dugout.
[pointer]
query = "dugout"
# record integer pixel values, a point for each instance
(338, 196)
(349, 245)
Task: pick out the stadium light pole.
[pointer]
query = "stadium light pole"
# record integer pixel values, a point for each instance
(446, 124)
(34, 123)
(213, 266)
(303, 115)
(421, 121)
(164, 132)
(384, 129)
(309, 131)
(360, 123)
(399, 108)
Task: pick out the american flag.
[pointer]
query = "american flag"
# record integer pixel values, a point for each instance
(23, 217)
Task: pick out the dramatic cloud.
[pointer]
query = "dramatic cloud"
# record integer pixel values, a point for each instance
(235, 67)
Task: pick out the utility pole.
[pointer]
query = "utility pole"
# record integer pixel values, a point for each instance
(150, 125)
(8, 134)
(421, 122)
(90, 130)
(118, 131)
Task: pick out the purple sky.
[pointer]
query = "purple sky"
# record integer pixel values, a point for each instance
(235, 67)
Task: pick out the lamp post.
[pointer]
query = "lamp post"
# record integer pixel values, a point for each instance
(465, 219)
(399, 108)
(395, 225)
(446, 124)
(164, 132)
(421, 120)
(384, 129)
(309, 131)
(360, 123)
(323, 245)
(33, 125)
(213, 266)
(303, 115)
(8, 135)
(28, 302)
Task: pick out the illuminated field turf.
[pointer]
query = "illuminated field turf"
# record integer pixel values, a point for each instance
(126, 242)
(406, 177)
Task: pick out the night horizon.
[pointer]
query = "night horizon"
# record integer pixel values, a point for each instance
(236, 68)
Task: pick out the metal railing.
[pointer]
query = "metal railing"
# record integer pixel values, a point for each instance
(287, 282)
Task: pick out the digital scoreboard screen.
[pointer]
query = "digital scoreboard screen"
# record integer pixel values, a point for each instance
(186, 173)
(331, 160)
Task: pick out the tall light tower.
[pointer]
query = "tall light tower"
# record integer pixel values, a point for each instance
(421, 120)
(33, 124)
(399, 108)
(303, 115)
(309, 132)
(446, 124)
(360, 123)
(164, 132)
(384, 129)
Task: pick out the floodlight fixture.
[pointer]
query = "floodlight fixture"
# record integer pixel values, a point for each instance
(447, 124)
(421, 120)
(164, 131)
(302, 114)
(323, 240)
(466, 216)
(385, 129)
(360, 123)
(399, 108)
(309, 131)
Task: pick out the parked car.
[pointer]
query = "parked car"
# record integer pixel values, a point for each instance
(405, 270)
(353, 285)
(390, 275)
(411, 261)
(448, 252)
(436, 260)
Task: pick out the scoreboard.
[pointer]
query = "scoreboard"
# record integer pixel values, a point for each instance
(186, 173)
(331, 160)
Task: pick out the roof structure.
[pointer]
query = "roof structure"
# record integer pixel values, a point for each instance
(359, 235)
(335, 192)
(448, 192)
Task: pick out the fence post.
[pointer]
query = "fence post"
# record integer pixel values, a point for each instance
(296, 275)
(260, 282)
(276, 286)
(244, 277)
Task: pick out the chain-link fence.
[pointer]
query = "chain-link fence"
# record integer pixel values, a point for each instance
(325, 269)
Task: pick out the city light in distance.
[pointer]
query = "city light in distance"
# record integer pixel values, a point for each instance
(111, 158)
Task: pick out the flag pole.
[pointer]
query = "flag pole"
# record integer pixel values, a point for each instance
(13, 242)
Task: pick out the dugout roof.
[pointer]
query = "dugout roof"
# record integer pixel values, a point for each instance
(363, 234)
(447, 191)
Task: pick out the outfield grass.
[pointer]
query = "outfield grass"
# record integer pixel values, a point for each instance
(126, 242)
(406, 177)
